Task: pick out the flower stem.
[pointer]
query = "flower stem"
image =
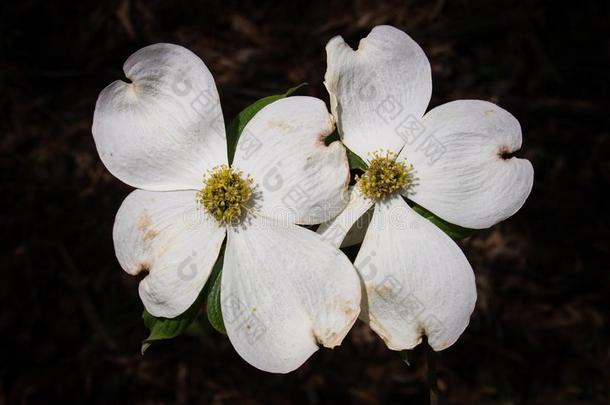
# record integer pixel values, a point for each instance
(436, 396)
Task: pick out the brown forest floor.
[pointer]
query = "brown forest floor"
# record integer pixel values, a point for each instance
(70, 324)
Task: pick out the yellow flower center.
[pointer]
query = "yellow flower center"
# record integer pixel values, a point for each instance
(385, 176)
(225, 194)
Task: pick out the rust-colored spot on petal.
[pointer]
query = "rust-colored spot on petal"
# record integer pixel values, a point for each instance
(331, 338)
(283, 125)
(143, 267)
(504, 153)
(145, 226)
(384, 291)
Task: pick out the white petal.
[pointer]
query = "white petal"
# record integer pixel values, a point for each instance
(299, 179)
(348, 228)
(378, 91)
(284, 291)
(357, 232)
(417, 279)
(165, 129)
(462, 176)
(166, 234)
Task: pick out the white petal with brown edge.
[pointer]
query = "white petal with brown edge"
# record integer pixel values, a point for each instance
(168, 235)
(462, 174)
(284, 292)
(378, 90)
(165, 129)
(299, 179)
(418, 282)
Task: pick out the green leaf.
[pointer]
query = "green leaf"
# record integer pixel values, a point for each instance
(213, 304)
(332, 138)
(235, 127)
(355, 162)
(454, 231)
(168, 328)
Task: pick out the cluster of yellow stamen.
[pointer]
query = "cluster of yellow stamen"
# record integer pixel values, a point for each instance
(225, 194)
(385, 176)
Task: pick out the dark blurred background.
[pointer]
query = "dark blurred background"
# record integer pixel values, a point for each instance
(70, 324)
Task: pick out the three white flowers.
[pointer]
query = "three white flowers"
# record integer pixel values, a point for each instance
(285, 289)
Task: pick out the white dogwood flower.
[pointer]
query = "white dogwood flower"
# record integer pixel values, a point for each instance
(284, 290)
(453, 160)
